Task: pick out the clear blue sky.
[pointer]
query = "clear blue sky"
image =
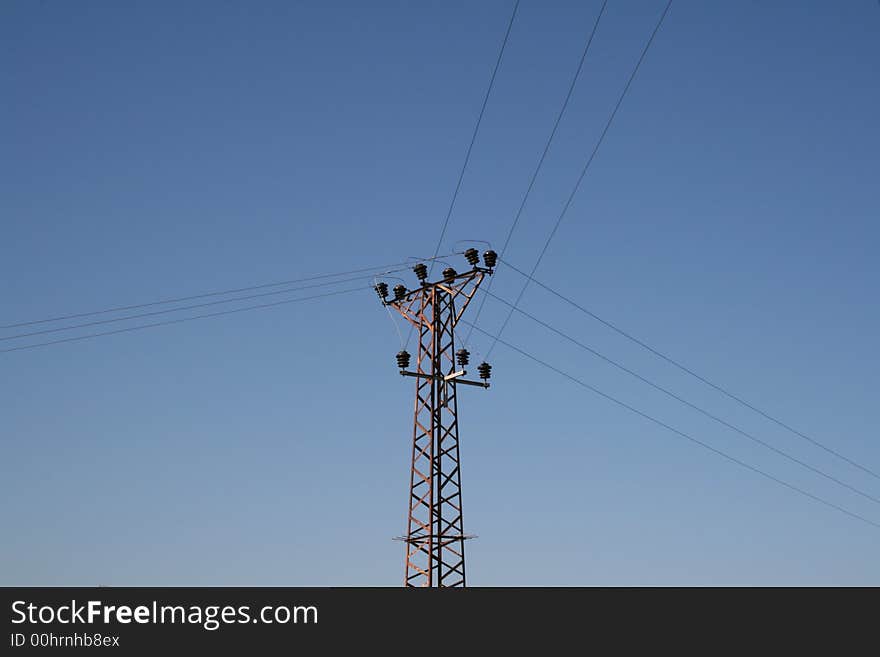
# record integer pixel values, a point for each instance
(730, 219)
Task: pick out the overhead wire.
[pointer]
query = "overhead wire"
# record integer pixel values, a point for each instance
(680, 433)
(470, 147)
(182, 308)
(546, 150)
(184, 319)
(687, 403)
(372, 270)
(675, 363)
(584, 171)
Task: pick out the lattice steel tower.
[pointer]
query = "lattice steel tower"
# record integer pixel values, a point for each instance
(435, 532)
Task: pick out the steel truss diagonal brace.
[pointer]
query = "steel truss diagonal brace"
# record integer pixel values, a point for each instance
(435, 526)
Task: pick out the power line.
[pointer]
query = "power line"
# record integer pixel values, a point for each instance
(680, 433)
(470, 147)
(376, 269)
(692, 373)
(181, 308)
(584, 171)
(537, 170)
(184, 319)
(686, 402)
(467, 155)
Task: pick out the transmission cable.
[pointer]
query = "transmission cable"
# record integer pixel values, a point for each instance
(690, 405)
(376, 269)
(586, 168)
(678, 432)
(184, 319)
(470, 147)
(687, 370)
(546, 150)
(181, 308)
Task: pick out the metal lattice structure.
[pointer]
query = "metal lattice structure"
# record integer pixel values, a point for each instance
(435, 532)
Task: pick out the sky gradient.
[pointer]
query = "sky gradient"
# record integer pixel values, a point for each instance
(730, 219)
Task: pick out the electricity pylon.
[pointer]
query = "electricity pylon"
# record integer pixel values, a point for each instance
(435, 531)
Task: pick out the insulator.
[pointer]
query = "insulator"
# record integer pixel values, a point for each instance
(399, 292)
(421, 271)
(403, 359)
(382, 290)
(462, 356)
(449, 272)
(473, 256)
(485, 370)
(490, 258)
